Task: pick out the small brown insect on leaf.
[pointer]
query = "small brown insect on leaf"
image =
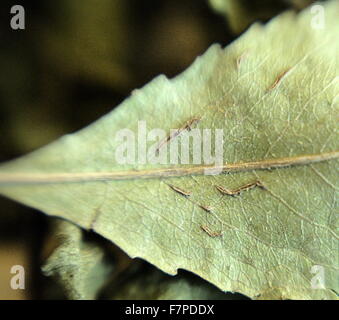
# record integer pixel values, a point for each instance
(186, 127)
(97, 212)
(211, 233)
(279, 79)
(206, 208)
(180, 191)
(237, 191)
(241, 59)
(189, 124)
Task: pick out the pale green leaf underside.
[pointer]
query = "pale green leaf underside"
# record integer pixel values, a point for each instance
(270, 238)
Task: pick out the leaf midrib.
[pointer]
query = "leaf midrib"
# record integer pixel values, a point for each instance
(73, 177)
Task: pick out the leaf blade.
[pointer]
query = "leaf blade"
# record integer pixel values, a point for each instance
(270, 238)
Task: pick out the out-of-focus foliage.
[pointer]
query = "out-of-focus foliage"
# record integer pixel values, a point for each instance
(149, 283)
(81, 265)
(91, 41)
(241, 13)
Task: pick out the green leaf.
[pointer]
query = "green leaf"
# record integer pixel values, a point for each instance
(240, 14)
(80, 265)
(274, 92)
